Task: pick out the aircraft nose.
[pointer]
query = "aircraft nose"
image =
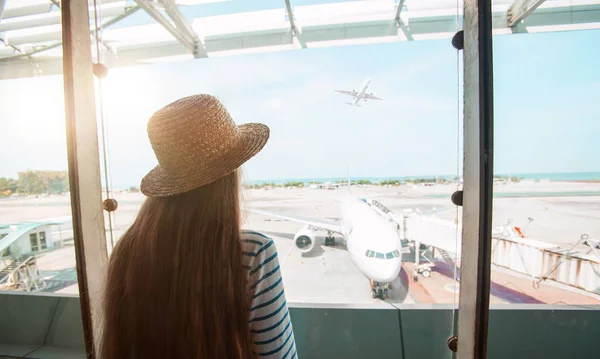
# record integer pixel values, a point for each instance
(387, 270)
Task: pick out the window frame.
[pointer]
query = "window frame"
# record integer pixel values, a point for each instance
(478, 99)
(89, 236)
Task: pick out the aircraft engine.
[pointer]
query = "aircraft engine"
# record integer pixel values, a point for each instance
(305, 240)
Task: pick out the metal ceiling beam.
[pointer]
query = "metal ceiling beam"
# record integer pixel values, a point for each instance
(295, 31)
(59, 43)
(92, 33)
(2, 3)
(176, 25)
(400, 24)
(180, 21)
(556, 18)
(53, 18)
(520, 9)
(26, 10)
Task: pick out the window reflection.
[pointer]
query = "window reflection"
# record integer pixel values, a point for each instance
(545, 224)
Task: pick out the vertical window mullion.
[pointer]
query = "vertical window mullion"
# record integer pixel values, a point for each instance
(478, 178)
(84, 165)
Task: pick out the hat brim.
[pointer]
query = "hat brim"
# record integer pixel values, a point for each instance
(252, 138)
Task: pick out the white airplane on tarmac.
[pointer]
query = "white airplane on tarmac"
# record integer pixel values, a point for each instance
(357, 96)
(371, 234)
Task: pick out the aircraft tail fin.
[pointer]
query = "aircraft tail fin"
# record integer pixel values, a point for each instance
(351, 104)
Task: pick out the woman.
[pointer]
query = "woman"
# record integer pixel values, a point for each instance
(184, 281)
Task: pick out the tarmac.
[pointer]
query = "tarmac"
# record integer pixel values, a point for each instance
(560, 213)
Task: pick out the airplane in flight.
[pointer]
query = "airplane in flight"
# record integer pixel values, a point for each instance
(357, 96)
(371, 234)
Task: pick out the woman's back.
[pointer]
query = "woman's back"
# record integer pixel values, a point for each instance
(184, 281)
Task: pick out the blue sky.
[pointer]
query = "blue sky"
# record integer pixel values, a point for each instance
(546, 109)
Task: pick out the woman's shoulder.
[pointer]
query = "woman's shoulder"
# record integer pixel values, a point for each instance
(255, 240)
(254, 237)
(257, 245)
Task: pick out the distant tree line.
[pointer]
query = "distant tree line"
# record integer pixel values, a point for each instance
(508, 178)
(427, 180)
(35, 182)
(262, 185)
(273, 184)
(388, 182)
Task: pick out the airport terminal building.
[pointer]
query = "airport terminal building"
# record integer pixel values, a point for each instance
(20, 244)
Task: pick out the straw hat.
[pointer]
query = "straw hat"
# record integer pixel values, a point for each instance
(196, 142)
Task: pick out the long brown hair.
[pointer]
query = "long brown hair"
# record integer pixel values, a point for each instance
(176, 287)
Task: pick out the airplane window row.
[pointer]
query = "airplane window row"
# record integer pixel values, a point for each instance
(378, 255)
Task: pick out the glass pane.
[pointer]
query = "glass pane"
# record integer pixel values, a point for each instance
(546, 169)
(36, 239)
(365, 149)
(546, 194)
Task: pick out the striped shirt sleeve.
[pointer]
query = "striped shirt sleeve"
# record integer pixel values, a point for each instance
(270, 323)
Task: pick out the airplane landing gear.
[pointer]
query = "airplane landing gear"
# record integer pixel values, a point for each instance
(330, 241)
(380, 290)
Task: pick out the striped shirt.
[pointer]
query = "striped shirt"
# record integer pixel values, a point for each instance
(270, 323)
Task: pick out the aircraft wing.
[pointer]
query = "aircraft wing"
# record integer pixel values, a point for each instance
(371, 97)
(318, 223)
(350, 93)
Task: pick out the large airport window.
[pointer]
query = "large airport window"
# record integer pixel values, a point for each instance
(546, 176)
(545, 223)
(364, 124)
(35, 209)
(371, 113)
(354, 185)
(325, 141)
